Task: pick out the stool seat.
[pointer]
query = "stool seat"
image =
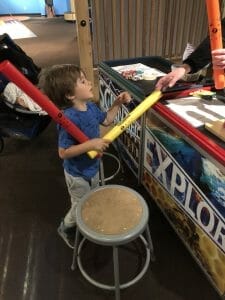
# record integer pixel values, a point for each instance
(112, 215)
(112, 211)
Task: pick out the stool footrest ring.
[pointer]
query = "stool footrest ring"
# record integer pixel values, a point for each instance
(112, 287)
(104, 179)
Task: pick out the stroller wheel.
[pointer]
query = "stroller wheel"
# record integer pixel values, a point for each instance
(1, 144)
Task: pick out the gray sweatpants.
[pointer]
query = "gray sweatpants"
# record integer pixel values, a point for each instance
(77, 188)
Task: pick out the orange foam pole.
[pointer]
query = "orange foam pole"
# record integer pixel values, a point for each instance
(214, 22)
(22, 82)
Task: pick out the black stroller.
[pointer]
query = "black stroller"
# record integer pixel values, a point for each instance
(15, 120)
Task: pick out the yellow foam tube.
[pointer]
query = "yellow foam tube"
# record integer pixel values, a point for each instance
(130, 118)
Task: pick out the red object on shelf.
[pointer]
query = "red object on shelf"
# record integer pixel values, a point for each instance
(184, 93)
(57, 115)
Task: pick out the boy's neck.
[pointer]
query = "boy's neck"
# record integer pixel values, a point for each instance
(80, 105)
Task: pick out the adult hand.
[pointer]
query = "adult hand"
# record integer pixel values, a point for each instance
(171, 78)
(218, 58)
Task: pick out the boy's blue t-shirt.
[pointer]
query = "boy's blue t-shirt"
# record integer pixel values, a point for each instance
(88, 122)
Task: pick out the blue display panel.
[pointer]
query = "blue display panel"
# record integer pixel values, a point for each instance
(8, 7)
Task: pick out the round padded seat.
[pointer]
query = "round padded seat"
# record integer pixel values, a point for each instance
(112, 215)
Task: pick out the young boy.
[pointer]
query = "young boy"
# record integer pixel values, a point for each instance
(66, 85)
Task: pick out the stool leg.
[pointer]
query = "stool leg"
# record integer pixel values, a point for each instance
(119, 155)
(102, 173)
(150, 244)
(116, 272)
(75, 250)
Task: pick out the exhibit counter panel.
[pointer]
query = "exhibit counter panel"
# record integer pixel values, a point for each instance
(189, 189)
(179, 162)
(128, 143)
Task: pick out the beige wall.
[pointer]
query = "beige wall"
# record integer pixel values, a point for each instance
(132, 28)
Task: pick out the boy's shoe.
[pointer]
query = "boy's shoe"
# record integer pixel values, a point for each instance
(67, 234)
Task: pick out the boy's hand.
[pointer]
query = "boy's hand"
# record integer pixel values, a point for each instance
(99, 144)
(123, 98)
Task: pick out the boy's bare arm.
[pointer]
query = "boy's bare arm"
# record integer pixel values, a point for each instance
(124, 97)
(97, 144)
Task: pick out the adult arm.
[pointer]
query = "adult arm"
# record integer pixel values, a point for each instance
(202, 55)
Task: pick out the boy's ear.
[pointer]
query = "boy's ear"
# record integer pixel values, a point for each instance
(70, 97)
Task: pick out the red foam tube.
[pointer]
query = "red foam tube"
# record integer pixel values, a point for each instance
(214, 22)
(22, 82)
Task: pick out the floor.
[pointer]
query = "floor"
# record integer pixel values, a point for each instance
(34, 261)
(41, 48)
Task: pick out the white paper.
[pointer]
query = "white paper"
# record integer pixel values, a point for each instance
(15, 29)
(139, 67)
(197, 111)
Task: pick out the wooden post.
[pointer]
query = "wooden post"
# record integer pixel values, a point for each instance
(84, 39)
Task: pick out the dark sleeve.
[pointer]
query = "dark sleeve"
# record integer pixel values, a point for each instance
(202, 54)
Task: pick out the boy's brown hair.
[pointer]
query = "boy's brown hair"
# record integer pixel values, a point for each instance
(58, 82)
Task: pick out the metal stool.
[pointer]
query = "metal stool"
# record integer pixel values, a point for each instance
(112, 215)
(107, 155)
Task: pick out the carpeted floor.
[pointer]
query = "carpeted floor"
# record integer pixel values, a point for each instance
(34, 261)
(55, 43)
